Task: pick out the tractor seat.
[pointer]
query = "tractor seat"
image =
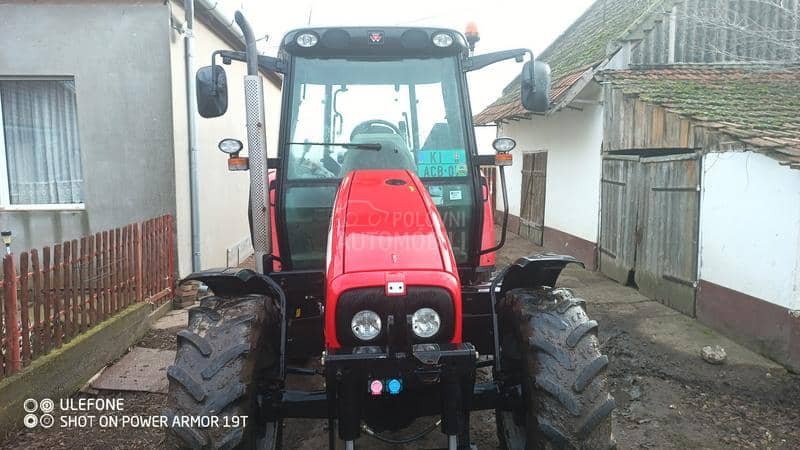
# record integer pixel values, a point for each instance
(394, 153)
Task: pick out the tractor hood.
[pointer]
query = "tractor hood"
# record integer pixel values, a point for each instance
(384, 220)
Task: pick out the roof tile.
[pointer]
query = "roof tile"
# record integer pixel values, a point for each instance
(584, 44)
(755, 104)
(514, 109)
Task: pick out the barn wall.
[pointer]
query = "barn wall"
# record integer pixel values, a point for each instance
(750, 253)
(572, 139)
(750, 226)
(708, 31)
(631, 123)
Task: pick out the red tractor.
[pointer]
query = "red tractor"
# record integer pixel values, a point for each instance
(374, 245)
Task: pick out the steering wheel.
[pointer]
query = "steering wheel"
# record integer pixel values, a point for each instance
(370, 127)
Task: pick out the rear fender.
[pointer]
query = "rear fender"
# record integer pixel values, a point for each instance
(232, 282)
(534, 271)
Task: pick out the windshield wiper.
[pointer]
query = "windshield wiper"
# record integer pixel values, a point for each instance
(365, 146)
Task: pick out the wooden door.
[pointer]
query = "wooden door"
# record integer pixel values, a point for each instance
(668, 221)
(619, 207)
(534, 178)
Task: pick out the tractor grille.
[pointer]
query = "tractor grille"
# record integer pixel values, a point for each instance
(399, 333)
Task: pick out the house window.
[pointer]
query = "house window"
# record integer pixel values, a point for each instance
(40, 164)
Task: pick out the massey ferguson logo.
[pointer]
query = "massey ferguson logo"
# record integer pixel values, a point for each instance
(375, 37)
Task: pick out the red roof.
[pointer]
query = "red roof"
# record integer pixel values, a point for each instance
(514, 109)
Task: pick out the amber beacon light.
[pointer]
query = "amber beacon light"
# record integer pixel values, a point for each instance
(472, 35)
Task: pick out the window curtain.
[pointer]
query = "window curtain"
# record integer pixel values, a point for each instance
(40, 124)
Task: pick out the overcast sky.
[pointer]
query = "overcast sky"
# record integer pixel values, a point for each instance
(503, 24)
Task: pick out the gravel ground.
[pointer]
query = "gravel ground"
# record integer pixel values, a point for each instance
(161, 339)
(667, 396)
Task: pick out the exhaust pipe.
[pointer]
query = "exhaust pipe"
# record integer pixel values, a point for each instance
(250, 43)
(257, 148)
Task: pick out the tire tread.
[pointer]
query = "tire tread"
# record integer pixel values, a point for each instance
(562, 372)
(215, 366)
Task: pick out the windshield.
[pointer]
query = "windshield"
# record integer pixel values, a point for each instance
(399, 114)
(356, 114)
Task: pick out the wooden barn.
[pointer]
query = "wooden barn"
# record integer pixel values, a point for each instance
(700, 197)
(668, 158)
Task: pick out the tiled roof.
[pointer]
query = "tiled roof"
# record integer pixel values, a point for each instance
(756, 106)
(584, 44)
(514, 108)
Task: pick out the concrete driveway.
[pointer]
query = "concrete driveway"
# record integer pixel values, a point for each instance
(667, 395)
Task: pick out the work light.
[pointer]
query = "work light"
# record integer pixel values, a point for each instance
(230, 146)
(504, 144)
(366, 325)
(306, 40)
(442, 40)
(425, 322)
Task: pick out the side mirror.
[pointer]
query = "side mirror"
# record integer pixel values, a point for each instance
(535, 89)
(212, 91)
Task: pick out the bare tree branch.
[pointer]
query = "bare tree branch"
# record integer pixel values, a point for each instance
(742, 30)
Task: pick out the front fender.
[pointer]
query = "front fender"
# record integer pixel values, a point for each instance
(232, 281)
(534, 271)
(235, 282)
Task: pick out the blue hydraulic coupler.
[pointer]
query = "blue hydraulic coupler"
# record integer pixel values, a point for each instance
(394, 386)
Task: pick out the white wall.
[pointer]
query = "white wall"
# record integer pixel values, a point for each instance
(223, 194)
(573, 141)
(750, 226)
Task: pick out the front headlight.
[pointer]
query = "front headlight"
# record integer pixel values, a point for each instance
(366, 325)
(425, 322)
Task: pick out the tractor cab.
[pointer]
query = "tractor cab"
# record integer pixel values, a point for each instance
(374, 98)
(357, 98)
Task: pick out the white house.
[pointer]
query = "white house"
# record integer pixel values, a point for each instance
(569, 137)
(93, 127)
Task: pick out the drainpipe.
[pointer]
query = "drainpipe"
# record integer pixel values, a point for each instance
(191, 118)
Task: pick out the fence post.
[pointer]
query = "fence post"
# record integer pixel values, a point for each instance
(38, 334)
(57, 295)
(137, 244)
(85, 292)
(47, 298)
(24, 309)
(12, 328)
(171, 254)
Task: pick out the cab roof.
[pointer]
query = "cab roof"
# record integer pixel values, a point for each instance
(373, 42)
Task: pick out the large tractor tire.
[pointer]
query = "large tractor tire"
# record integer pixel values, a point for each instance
(227, 348)
(550, 347)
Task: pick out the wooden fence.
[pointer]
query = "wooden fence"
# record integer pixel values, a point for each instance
(68, 288)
